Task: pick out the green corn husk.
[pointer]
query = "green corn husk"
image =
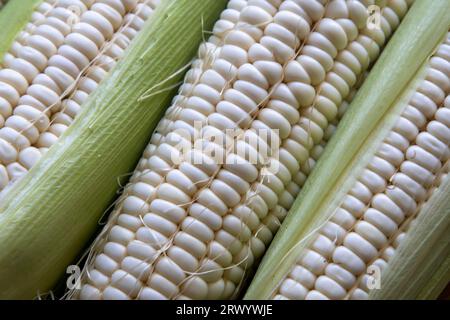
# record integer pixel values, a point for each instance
(47, 217)
(369, 117)
(14, 16)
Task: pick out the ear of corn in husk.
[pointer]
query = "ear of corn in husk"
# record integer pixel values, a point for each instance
(49, 214)
(191, 224)
(356, 213)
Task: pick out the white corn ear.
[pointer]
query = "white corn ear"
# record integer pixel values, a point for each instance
(372, 221)
(189, 226)
(101, 146)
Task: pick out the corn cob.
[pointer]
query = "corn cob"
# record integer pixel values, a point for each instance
(52, 67)
(66, 192)
(348, 235)
(393, 185)
(187, 229)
